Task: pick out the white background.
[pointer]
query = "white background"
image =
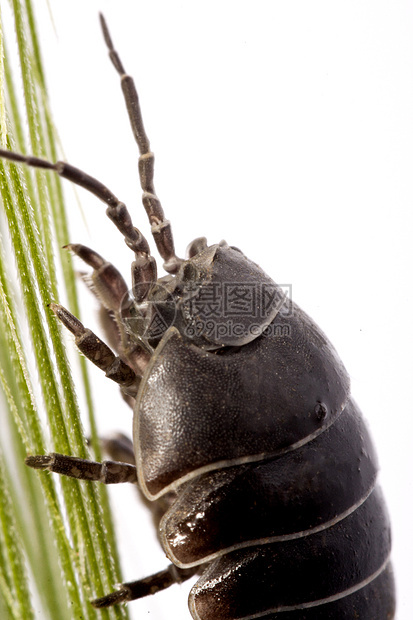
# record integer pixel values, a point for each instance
(287, 129)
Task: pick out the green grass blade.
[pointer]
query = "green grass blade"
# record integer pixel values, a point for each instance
(51, 520)
(14, 584)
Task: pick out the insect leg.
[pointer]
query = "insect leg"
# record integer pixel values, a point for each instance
(99, 353)
(108, 472)
(106, 282)
(110, 288)
(144, 272)
(143, 587)
(116, 210)
(161, 227)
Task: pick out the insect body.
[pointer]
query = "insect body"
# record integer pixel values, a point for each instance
(245, 436)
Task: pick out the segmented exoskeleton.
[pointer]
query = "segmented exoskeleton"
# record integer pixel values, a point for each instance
(245, 437)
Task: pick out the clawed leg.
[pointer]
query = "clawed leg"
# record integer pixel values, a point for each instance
(144, 272)
(110, 288)
(108, 472)
(99, 353)
(161, 227)
(106, 281)
(116, 210)
(143, 587)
